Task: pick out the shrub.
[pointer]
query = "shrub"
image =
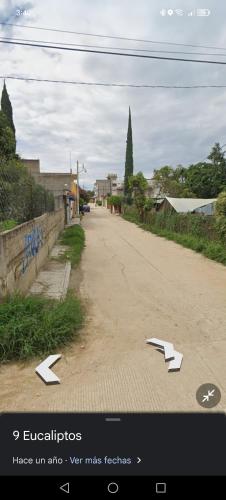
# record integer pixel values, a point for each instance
(32, 326)
(220, 225)
(6, 225)
(221, 204)
(149, 204)
(116, 201)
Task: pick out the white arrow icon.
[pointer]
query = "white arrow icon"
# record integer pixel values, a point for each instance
(208, 396)
(138, 460)
(175, 364)
(43, 370)
(65, 487)
(171, 355)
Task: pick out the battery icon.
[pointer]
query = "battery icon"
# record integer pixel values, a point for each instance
(203, 12)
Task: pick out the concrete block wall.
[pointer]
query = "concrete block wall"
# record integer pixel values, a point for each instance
(24, 249)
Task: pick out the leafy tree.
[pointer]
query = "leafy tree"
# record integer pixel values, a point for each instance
(138, 185)
(129, 157)
(201, 180)
(7, 139)
(180, 174)
(216, 155)
(90, 194)
(206, 180)
(171, 181)
(116, 202)
(164, 173)
(86, 195)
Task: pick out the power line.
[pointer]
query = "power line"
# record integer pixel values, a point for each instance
(112, 37)
(105, 52)
(114, 48)
(68, 82)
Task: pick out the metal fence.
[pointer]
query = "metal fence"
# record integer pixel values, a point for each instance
(21, 199)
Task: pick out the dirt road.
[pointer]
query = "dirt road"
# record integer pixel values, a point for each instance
(136, 286)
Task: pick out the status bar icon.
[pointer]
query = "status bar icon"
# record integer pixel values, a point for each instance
(179, 12)
(203, 12)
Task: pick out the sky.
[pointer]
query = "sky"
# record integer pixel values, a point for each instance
(60, 124)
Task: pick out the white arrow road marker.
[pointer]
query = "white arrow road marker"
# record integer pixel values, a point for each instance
(43, 370)
(167, 346)
(175, 364)
(171, 355)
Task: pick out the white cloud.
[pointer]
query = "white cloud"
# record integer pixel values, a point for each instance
(169, 126)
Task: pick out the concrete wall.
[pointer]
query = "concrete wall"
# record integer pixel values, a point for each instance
(23, 250)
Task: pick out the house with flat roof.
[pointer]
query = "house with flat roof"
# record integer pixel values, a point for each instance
(57, 183)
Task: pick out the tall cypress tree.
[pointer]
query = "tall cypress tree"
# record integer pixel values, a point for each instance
(129, 157)
(7, 109)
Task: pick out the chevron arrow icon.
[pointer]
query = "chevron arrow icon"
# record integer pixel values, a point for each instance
(43, 370)
(170, 353)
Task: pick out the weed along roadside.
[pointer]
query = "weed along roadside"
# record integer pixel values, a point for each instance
(36, 325)
(74, 238)
(197, 232)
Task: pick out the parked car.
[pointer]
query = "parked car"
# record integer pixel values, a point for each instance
(86, 208)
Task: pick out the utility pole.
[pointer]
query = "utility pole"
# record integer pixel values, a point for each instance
(70, 164)
(82, 170)
(77, 193)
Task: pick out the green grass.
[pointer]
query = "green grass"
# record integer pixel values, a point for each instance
(74, 238)
(7, 224)
(32, 326)
(214, 250)
(211, 249)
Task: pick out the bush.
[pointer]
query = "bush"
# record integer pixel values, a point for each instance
(35, 326)
(221, 227)
(116, 201)
(149, 204)
(221, 204)
(6, 225)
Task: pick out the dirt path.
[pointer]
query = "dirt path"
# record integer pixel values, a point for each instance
(137, 286)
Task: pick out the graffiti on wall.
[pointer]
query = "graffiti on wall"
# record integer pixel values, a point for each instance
(32, 244)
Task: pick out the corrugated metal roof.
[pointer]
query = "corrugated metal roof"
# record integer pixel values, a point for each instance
(184, 205)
